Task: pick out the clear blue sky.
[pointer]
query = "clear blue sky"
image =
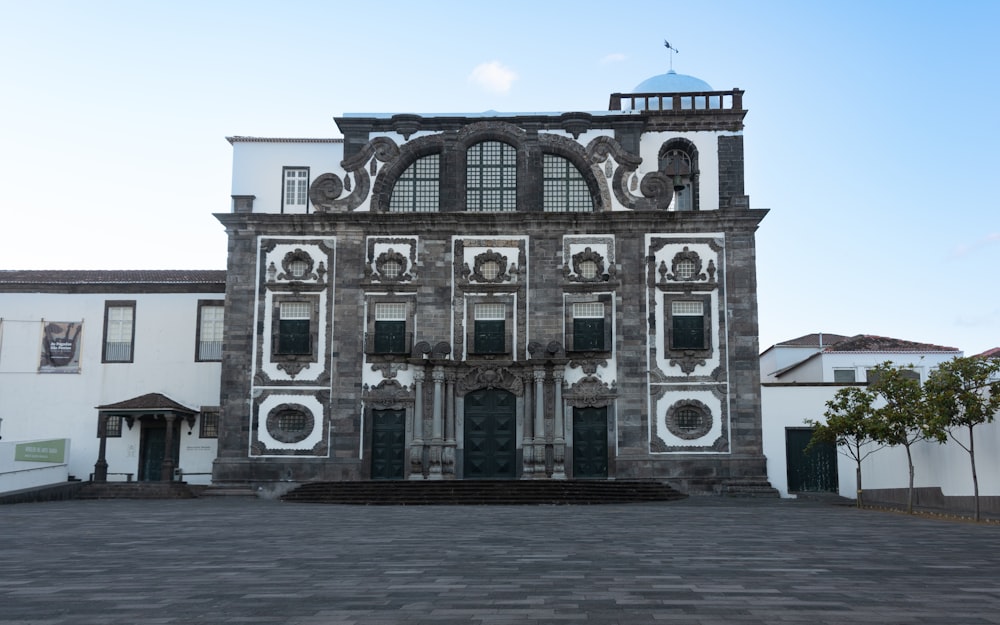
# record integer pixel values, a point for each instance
(872, 133)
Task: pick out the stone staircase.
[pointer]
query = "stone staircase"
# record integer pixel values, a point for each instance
(135, 490)
(483, 492)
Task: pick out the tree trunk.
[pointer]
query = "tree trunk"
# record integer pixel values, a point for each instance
(909, 496)
(975, 478)
(857, 475)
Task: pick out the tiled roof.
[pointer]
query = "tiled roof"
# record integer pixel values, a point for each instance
(150, 402)
(993, 352)
(819, 339)
(113, 281)
(238, 139)
(871, 343)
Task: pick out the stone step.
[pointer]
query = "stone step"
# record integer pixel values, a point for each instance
(483, 492)
(134, 490)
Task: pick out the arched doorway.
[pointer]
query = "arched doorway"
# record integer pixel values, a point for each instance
(490, 439)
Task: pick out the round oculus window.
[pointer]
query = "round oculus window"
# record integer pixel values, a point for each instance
(290, 423)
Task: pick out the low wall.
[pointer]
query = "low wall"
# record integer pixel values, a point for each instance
(932, 499)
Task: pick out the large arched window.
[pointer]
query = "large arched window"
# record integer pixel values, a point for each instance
(417, 188)
(679, 161)
(491, 177)
(565, 189)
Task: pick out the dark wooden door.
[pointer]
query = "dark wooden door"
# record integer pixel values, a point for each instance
(490, 435)
(152, 447)
(590, 442)
(812, 472)
(388, 444)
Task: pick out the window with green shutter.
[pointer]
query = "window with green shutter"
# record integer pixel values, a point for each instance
(687, 325)
(293, 328)
(490, 329)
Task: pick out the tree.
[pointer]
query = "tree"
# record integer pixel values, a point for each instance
(903, 419)
(961, 394)
(849, 426)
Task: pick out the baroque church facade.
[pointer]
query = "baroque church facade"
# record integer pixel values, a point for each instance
(497, 296)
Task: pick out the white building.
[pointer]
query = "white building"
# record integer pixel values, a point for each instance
(142, 349)
(798, 378)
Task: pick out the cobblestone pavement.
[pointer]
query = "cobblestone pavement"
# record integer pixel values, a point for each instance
(702, 561)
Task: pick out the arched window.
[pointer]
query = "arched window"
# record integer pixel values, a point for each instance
(491, 177)
(565, 190)
(417, 188)
(679, 161)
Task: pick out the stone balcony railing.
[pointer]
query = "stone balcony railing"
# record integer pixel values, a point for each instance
(668, 103)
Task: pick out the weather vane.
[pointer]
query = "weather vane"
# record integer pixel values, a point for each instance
(672, 49)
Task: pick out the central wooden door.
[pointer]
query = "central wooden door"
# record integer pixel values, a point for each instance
(490, 435)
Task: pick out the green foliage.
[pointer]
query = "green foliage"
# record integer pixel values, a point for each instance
(964, 392)
(904, 417)
(848, 421)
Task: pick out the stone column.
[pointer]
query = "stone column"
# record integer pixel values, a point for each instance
(417, 445)
(559, 442)
(527, 436)
(539, 453)
(167, 467)
(448, 453)
(437, 422)
(101, 466)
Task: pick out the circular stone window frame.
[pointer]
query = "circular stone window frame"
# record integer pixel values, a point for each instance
(273, 423)
(691, 434)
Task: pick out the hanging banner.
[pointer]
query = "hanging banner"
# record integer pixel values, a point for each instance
(60, 347)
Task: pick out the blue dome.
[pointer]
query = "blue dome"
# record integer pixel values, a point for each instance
(672, 82)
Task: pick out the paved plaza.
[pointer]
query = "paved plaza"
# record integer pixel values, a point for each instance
(702, 561)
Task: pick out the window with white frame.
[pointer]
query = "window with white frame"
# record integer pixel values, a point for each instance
(687, 324)
(844, 375)
(491, 177)
(294, 331)
(296, 189)
(490, 334)
(589, 326)
(417, 190)
(119, 331)
(210, 327)
(563, 186)
(390, 328)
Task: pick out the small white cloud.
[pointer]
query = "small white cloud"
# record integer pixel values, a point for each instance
(614, 57)
(967, 248)
(493, 76)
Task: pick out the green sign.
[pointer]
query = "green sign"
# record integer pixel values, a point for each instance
(41, 451)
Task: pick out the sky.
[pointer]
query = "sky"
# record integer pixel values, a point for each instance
(871, 136)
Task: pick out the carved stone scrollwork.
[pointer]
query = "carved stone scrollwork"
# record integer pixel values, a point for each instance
(588, 256)
(398, 261)
(588, 362)
(590, 392)
(493, 260)
(687, 362)
(483, 377)
(686, 267)
(656, 188)
(388, 395)
(325, 191)
(289, 266)
(389, 369)
(293, 368)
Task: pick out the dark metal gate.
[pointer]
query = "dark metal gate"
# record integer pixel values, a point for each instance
(815, 471)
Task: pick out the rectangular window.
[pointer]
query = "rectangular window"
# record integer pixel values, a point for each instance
(112, 427)
(588, 326)
(687, 325)
(293, 328)
(296, 189)
(209, 427)
(119, 331)
(843, 375)
(490, 329)
(210, 313)
(491, 177)
(390, 328)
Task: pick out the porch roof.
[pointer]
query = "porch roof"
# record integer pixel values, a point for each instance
(148, 403)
